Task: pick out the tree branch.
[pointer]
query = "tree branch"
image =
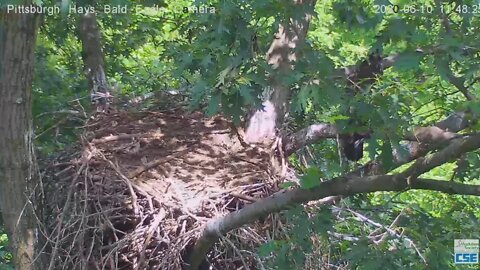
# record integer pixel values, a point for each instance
(453, 123)
(393, 233)
(454, 150)
(339, 186)
(458, 82)
(309, 135)
(316, 132)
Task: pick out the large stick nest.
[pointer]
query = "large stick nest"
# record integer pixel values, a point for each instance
(137, 190)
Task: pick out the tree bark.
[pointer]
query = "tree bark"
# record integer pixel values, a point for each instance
(262, 126)
(18, 171)
(93, 59)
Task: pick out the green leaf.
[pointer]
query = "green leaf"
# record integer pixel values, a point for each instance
(408, 61)
(231, 105)
(246, 93)
(223, 75)
(311, 178)
(198, 92)
(474, 106)
(372, 146)
(334, 118)
(303, 97)
(443, 69)
(267, 248)
(323, 221)
(452, 41)
(206, 61)
(186, 60)
(286, 185)
(214, 105)
(271, 246)
(386, 154)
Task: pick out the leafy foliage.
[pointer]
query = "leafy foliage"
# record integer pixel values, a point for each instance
(5, 255)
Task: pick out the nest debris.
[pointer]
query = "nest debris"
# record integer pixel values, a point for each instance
(137, 190)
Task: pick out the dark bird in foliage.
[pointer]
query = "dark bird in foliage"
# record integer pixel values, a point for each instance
(353, 146)
(358, 79)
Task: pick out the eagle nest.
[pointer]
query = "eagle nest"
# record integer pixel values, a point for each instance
(137, 190)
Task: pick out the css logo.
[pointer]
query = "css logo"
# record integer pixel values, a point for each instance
(466, 258)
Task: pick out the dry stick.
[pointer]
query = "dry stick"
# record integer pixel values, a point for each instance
(65, 208)
(127, 182)
(41, 227)
(390, 231)
(236, 250)
(345, 237)
(112, 138)
(244, 197)
(108, 259)
(90, 251)
(384, 235)
(82, 221)
(61, 121)
(156, 222)
(63, 171)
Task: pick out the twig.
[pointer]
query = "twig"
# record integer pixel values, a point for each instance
(390, 231)
(244, 197)
(64, 171)
(156, 222)
(72, 112)
(127, 182)
(236, 250)
(86, 157)
(112, 138)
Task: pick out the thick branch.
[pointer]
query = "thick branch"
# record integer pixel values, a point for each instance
(451, 152)
(309, 135)
(389, 61)
(349, 72)
(431, 135)
(338, 186)
(320, 131)
(92, 52)
(453, 123)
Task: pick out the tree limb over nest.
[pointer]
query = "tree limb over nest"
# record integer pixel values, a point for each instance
(345, 185)
(339, 186)
(442, 132)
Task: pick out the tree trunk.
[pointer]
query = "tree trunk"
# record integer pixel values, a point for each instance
(93, 60)
(262, 126)
(18, 171)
